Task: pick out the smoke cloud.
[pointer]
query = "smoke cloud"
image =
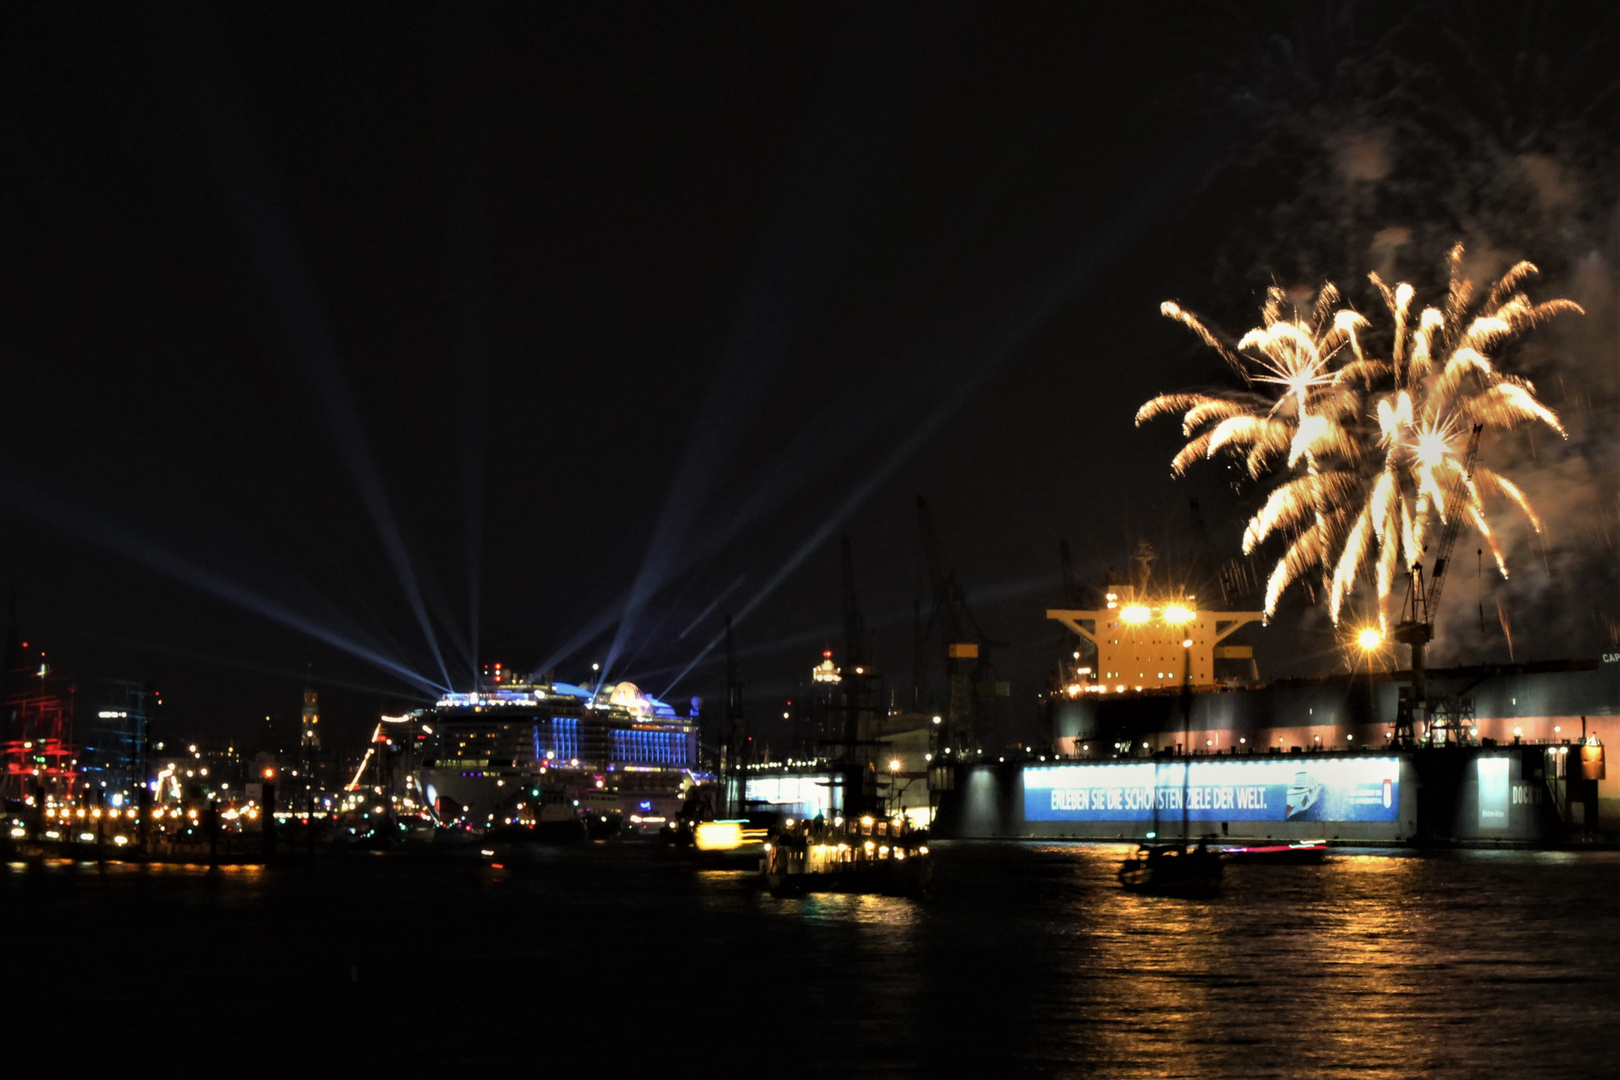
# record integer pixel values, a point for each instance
(1386, 145)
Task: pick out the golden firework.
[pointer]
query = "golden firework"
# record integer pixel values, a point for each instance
(1366, 446)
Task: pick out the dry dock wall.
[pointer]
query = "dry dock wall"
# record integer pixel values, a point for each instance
(1467, 794)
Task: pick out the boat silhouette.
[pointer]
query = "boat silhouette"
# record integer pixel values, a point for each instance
(1178, 868)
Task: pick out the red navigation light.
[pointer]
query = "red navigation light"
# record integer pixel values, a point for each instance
(826, 654)
(269, 774)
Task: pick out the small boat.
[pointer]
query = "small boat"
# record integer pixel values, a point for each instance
(865, 855)
(1172, 870)
(1306, 851)
(725, 843)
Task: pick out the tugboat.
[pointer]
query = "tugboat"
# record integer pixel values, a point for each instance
(1174, 869)
(868, 855)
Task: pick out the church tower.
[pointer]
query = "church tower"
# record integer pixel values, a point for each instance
(309, 732)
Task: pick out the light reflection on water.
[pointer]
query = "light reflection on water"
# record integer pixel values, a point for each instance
(1029, 959)
(1385, 965)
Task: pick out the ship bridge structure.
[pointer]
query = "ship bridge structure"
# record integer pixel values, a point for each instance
(1146, 643)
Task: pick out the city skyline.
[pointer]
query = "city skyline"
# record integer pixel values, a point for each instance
(396, 344)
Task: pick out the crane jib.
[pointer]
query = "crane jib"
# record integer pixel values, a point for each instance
(1455, 499)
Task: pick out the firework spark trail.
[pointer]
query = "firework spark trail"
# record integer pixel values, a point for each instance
(1366, 447)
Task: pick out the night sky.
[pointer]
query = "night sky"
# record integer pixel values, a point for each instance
(565, 330)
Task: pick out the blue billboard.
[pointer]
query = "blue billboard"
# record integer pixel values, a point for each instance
(1335, 789)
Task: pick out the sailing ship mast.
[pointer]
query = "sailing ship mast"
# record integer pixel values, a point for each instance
(1186, 738)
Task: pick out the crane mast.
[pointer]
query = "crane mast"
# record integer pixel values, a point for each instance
(1072, 591)
(1422, 603)
(966, 646)
(856, 646)
(735, 748)
(862, 705)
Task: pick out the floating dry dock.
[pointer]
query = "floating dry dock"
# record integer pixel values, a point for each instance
(1533, 794)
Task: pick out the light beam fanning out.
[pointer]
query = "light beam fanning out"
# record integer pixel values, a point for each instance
(121, 540)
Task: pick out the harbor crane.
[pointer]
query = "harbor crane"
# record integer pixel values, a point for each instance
(1073, 592)
(863, 705)
(1422, 603)
(857, 648)
(736, 744)
(967, 647)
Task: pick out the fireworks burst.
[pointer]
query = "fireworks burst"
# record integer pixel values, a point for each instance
(1369, 446)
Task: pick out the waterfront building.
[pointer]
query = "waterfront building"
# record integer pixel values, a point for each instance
(115, 735)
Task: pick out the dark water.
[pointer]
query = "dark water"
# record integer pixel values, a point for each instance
(1027, 960)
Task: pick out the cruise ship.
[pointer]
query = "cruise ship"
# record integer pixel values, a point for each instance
(546, 754)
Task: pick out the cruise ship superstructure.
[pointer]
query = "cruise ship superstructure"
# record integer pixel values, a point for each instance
(549, 752)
